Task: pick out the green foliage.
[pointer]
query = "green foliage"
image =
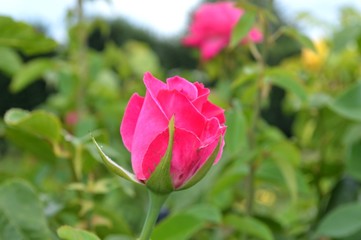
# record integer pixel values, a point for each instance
(250, 226)
(341, 222)
(349, 103)
(191, 221)
(10, 61)
(285, 80)
(19, 220)
(299, 37)
(29, 73)
(269, 184)
(69, 233)
(242, 28)
(23, 37)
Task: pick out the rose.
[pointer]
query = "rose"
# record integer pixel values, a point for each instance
(198, 129)
(212, 26)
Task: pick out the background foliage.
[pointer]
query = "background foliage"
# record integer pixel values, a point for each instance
(291, 167)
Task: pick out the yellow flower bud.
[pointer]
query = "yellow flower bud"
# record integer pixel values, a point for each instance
(314, 60)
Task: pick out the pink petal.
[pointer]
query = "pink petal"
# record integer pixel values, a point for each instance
(192, 40)
(223, 17)
(211, 131)
(154, 154)
(219, 155)
(210, 110)
(130, 119)
(183, 86)
(212, 47)
(203, 155)
(203, 94)
(151, 123)
(186, 115)
(255, 35)
(153, 84)
(184, 156)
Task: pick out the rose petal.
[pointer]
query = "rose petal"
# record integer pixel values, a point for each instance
(153, 84)
(219, 155)
(130, 119)
(186, 115)
(154, 154)
(212, 47)
(183, 86)
(151, 123)
(255, 35)
(184, 156)
(203, 94)
(192, 40)
(210, 132)
(224, 16)
(210, 110)
(203, 155)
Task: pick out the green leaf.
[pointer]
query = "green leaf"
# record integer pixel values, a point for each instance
(287, 158)
(341, 222)
(289, 174)
(286, 80)
(177, 227)
(70, 233)
(205, 212)
(345, 36)
(242, 28)
(14, 115)
(229, 178)
(236, 137)
(299, 37)
(118, 237)
(204, 169)
(353, 163)
(39, 123)
(24, 37)
(21, 213)
(10, 62)
(43, 150)
(161, 181)
(356, 236)
(29, 73)
(115, 168)
(249, 226)
(348, 104)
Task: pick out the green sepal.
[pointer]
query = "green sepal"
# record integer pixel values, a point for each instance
(115, 168)
(204, 169)
(161, 181)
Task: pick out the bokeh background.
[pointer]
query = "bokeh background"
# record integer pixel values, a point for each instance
(291, 167)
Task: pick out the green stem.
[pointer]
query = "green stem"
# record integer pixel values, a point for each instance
(261, 58)
(252, 145)
(155, 205)
(81, 58)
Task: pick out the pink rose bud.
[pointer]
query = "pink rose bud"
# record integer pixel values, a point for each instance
(173, 124)
(212, 26)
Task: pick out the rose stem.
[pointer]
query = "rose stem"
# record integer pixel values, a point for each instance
(155, 204)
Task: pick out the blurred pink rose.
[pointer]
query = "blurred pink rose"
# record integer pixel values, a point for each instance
(199, 128)
(212, 26)
(71, 118)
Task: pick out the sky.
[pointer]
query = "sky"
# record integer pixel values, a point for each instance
(163, 17)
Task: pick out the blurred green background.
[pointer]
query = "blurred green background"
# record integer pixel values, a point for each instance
(291, 167)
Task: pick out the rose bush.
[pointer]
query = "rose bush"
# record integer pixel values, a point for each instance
(199, 128)
(211, 28)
